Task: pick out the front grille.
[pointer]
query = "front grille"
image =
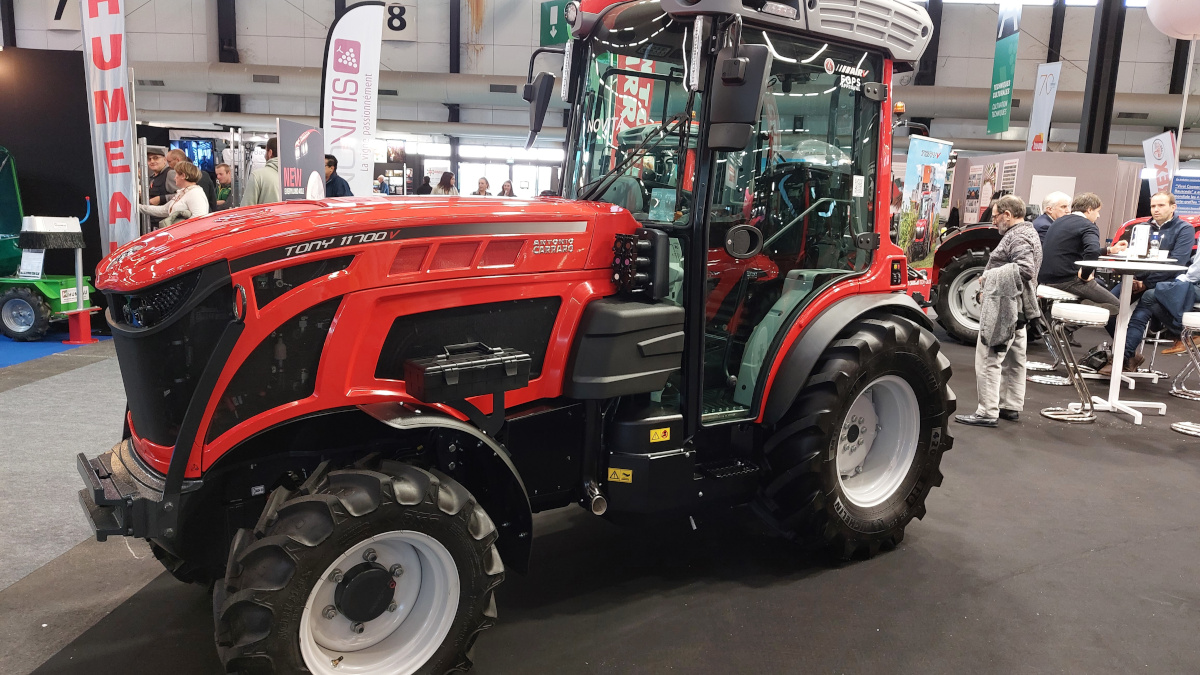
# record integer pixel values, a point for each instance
(153, 305)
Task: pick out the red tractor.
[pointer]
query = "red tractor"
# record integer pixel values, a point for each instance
(346, 412)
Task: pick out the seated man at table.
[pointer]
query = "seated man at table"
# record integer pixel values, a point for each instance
(1173, 234)
(1075, 237)
(1166, 303)
(1054, 206)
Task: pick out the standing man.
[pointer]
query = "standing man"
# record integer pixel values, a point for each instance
(426, 187)
(1075, 237)
(1054, 206)
(263, 186)
(162, 179)
(1009, 305)
(210, 191)
(335, 185)
(224, 187)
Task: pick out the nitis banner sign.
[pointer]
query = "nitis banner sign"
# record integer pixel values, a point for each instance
(107, 69)
(350, 92)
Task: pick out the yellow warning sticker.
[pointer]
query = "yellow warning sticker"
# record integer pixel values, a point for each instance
(620, 475)
(660, 435)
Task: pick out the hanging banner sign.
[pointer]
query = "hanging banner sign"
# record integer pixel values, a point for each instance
(1160, 158)
(924, 176)
(1043, 105)
(350, 92)
(634, 95)
(301, 161)
(1004, 65)
(1187, 195)
(107, 71)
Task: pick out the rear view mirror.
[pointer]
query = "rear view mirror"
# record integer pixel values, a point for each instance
(737, 91)
(537, 93)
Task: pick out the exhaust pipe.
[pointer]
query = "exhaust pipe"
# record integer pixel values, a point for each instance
(596, 501)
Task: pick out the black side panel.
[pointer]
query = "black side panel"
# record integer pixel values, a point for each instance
(546, 443)
(624, 348)
(270, 285)
(523, 325)
(281, 369)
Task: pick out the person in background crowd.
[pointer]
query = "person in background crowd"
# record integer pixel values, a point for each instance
(1166, 302)
(210, 191)
(188, 201)
(445, 186)
(335, 185)
(263, 186)
(224, 187)
(1009, 305)
(506, 189)
(1075, 237)
(381, 185)
(1054, 206)
(162, 179)
(425, 188)
(483, 188)
(1172, 233)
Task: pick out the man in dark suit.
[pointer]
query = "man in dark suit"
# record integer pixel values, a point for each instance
(1075, 237)
(335, 185)
(1054, 206)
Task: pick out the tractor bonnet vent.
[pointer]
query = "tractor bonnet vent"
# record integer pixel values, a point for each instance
(902, 28)
(266, 79)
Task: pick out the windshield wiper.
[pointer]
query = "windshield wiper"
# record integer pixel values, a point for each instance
(605, 181)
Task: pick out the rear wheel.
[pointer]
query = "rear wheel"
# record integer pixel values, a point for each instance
(958, 303)
(853, 461)
(387, 571)
(24, 315)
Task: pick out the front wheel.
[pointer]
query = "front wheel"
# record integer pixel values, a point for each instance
(958, 302)
(386, 571)
(854, 459)
(24, 314)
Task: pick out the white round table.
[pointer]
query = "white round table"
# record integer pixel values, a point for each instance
(1127, 268)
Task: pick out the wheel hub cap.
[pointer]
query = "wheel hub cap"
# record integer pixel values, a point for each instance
(878, 441)
(18, 315)
(365, 592)
(964, 303)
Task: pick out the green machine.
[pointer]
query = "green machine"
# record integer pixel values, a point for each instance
(28, 305)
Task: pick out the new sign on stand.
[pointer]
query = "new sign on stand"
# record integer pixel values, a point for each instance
(301, 161)
(1004, 65)
(554, 27)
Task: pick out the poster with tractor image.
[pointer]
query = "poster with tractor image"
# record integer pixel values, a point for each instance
(921, 195)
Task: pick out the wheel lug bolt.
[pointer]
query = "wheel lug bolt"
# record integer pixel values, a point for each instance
(397, 570)
(369, 555)
(330, 612)
(336, 576)
(392, 607)
(358, 628)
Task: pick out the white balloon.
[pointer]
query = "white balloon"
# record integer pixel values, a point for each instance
(1179, 19)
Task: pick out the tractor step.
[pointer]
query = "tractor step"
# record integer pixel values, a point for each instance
(731, 468)
(122, 497)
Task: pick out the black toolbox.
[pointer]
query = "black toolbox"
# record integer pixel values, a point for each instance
(466, 370)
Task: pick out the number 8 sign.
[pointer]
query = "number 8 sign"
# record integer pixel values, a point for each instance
(400, 21)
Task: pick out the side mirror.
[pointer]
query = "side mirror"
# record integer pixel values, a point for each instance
(737, 93)
(537, 93)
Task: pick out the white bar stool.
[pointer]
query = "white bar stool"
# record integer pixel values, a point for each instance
(1049, 297)
(1191, 327)
(1064, 315)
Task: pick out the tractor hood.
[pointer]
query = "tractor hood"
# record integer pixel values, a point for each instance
(257, 235)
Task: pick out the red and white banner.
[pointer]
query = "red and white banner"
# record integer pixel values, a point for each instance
(1160, 158)
(107, 70)
(350, 92)
(634, 95)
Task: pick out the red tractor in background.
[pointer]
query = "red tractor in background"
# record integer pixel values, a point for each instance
(346, 412)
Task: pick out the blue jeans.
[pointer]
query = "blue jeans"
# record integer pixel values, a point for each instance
(1148, 307)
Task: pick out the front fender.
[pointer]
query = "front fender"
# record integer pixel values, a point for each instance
(977, 237)
(495, 482)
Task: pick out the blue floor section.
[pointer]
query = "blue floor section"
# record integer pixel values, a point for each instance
(12, 353)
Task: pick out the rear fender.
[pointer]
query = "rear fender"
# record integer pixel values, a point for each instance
(481, 465)
(797, 364)
(979, 237)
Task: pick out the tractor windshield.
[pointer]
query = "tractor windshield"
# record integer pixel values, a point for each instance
(636, 142)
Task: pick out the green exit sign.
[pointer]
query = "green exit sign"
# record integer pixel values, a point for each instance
(554, 27)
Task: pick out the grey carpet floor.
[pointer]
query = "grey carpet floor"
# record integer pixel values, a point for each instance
(43, 425)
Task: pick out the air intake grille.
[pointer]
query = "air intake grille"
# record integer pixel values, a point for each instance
(1132, 116)
(897, 26)
(267, 79)
(151, 83)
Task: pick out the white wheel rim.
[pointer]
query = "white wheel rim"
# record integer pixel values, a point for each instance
(878, 441)
(964, 305)
(398, 642)
(18, 315)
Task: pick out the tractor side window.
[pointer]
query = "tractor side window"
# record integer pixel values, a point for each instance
(806, 181)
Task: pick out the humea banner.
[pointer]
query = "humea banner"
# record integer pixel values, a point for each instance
(1043, 105)
(350, 92)
(107, 71)
(924, 176)
(1004, 65)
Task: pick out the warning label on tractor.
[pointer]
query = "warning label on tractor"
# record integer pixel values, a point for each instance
(620, 475)
(660, 435)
